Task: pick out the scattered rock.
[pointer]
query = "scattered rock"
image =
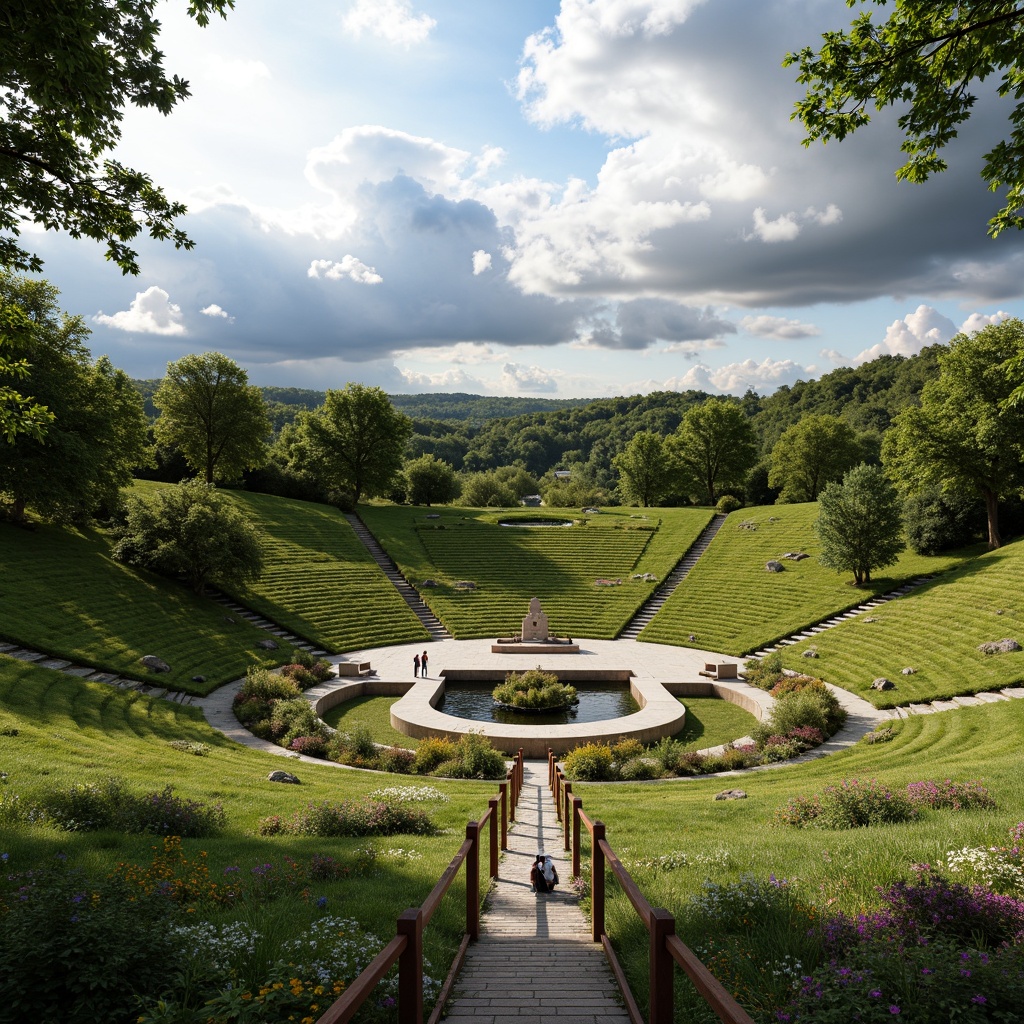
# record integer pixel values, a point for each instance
(280, 776)
(154, 664)
(999, 646)
(881, 683)
(199, 679)
(693, 636)
(871, 618)
(773, 519)
(1000, 611)
(908, 671)
(774, 566)
(811, 652)
(229, 619)
(608, 583)
(432, 515)
(648, 577)
(731, 794)
(591, 511)
(430, 583)
(795, 556)
(267, 645)
(465, 585)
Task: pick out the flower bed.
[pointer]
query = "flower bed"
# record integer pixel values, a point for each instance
(534, 690)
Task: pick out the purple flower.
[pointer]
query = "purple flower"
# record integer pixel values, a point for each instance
(321, 902)
(979, 1000)
(875, 993)
(894, 1009)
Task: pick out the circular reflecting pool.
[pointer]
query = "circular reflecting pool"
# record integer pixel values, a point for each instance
(597, 704)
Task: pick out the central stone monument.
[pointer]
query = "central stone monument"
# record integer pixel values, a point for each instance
(535, 637)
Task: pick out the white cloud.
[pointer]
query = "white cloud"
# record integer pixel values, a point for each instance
(448, 381)
(516, 377)
(390, 20)
(830, 215)
(347, 267)
(906, 337)
(464, 353)
(783, 229)
(481, 262)
(976, 321)
(736, 378)
(215, 311)
(236, 72)
(778, 327)
(151, 312)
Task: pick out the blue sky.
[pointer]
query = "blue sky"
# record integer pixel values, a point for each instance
(590, 198)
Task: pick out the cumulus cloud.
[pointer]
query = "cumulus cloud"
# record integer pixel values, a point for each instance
(151, 312)
(906, 337)
(516, 377)
(347, 267)
(645, 322)
(447, 382)
(391, 20)
(783, 229)
(976, 321)
(481, 262)
(737, 378)
(215, 311)
(778, 328)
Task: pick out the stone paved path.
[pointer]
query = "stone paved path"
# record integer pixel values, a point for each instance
(535, 960)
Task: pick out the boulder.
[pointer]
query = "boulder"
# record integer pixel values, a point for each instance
(908, 671)
(199, 679)
(154, 664)
(280, 776)
(429, 583)
(229, 619)
(881, 683)
(794, 556)
(267, 645)
(774, 566)
(999, 646)
(811, 652)
(731, 794)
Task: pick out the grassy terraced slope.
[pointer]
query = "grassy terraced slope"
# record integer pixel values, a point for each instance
(510, 565)
(63, 594)
(936, 631)
(320, 582)
(732, 604)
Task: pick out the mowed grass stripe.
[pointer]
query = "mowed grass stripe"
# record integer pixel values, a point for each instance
(934, 630)
(62, 593)
(511, 565)
(731, 603)
(320, 582)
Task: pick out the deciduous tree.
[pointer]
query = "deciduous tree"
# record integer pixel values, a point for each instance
(966, 435)
(68, 70)
(431, 481)
(926, 56)
(714, 446)
(98, 430)
(810, 454)
(859, 526)
(355, 442)
(645, 468)
(213, 416)
(191, 532)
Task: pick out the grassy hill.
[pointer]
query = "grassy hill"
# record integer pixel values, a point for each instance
(509, 565)
(732, 604)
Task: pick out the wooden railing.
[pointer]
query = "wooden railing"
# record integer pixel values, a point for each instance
(406, 948)
(664, 946)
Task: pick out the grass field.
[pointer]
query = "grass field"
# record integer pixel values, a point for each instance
(63, 594)
(936, 631)
(510, 565)
(68, 732)
(733, 605)
(320, 582)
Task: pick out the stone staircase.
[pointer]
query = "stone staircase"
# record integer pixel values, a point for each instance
(653, 604)
(277, 632)
(402, 585)
(836, 620)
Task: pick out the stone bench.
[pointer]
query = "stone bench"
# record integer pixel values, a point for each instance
(354, 668)
(721, 670)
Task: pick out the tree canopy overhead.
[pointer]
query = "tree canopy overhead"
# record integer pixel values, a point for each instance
(68, 69)
(929, 55)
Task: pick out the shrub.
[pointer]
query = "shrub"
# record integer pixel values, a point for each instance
(535, 690)
(355, 747)
(479, 758)
(452, 769)
(264, 685)
(728, 503)
(883, 735)
(765, 672)
(626, 749)
(432, 752)
(813, 705)
(956, 796)
(638, 769)
(396, 759)
(806, 737)
(190, 747)
(935, 521)
(290, 719)
(782, 751)
(592, 762)
(310, 746)
(351, 818)
(854, 804)
(798, 811)
(668, 751)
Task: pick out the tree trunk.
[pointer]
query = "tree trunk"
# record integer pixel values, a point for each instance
(992, 511)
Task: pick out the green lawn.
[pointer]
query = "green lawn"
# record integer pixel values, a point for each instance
(69, 732)
(373, 713)
(936, 631)
(733, 605)
(62, 593)
(320, 581)
(510, 565)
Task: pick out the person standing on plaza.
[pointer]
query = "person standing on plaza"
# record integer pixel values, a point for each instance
(415, 665)
(423, 664)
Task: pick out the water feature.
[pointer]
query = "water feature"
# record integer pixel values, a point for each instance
(598, 703)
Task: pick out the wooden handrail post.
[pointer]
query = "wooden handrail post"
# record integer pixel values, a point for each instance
(597, 881)
(663, 924)
(521, 768)
(503, 789)
(558, 793)
(410, 968)
(567, 814)
(551, 770)
(577, 805)
(493, 805)
(511, 787)
(473, 881)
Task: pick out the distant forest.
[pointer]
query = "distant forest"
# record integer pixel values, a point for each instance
(473, 432)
